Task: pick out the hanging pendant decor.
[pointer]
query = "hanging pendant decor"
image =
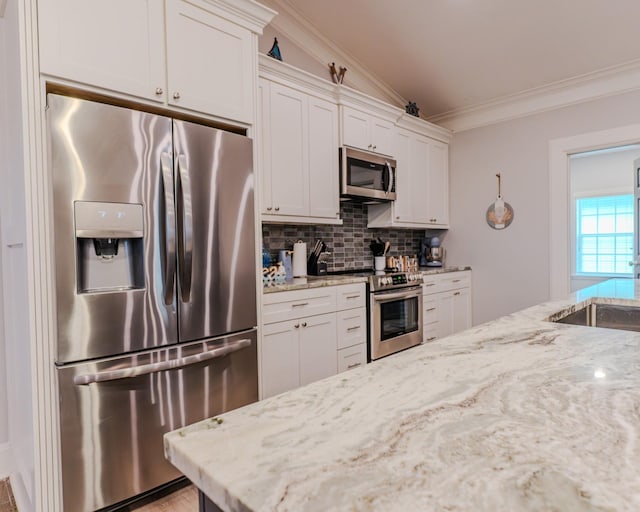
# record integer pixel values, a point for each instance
(499, 213)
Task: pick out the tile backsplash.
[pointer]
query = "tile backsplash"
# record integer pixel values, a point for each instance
(348, 244)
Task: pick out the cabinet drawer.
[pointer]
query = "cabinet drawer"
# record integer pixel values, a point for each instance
(430, 332)
(351, 296)
(454, 281)
(281, 306)
(352, 357)
(429, 309)
(352, 327)
(430, 284)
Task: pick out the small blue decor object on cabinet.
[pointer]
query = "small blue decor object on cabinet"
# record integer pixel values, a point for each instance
(275, 50)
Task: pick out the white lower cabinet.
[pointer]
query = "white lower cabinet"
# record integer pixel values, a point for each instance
(446, 304)
(311, 334)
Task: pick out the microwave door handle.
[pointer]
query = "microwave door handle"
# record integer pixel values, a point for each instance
(173, 364)
(391, 177)
(386, 177)
(186, 228)
(169, 227)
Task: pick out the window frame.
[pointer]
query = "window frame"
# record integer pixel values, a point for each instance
(574, 235)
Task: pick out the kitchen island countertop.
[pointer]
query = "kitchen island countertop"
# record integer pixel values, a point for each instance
(515, 414)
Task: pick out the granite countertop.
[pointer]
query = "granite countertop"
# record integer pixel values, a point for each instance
(303, 283)
(515, 414)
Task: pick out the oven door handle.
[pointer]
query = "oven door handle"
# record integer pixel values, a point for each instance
(398, 295)
(173, 364)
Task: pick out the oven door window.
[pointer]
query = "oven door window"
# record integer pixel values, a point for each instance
(363, 174)
(398, 317)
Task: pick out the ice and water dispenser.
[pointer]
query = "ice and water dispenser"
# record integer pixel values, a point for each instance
(109, 246)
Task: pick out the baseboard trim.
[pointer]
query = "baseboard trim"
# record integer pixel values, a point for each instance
(20, 494)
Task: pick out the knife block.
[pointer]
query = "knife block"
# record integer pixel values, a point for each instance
(316, 268)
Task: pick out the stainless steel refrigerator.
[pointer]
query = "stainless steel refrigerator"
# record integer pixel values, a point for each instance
(155, 289)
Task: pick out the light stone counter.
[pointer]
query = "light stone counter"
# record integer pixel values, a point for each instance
(518, 414)
(303, 283)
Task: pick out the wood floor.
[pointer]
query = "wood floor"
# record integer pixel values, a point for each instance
(8, 504)
(182, 500)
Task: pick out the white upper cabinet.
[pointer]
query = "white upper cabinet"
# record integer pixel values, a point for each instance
(210, 62)
(196, 55)
(366, 131)
(298, 152)
(116, 45)
(422, 182)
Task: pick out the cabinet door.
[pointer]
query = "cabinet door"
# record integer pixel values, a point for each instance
(438, 186)
(419, 169)
(263, 149)
(445, 314)
(382, 133)
(461, 309)
(116, 45)
(209, 61)
(318, 348)
(280, 356)
(324, 195)
(289, 161)
(356, 129)
(402, 205)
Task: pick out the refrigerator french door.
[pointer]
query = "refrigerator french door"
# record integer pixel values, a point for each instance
(155, 289)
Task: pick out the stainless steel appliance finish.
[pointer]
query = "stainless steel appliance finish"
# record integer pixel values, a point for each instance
(154, 248)
(395, 312)
(366, 177)
(115, 411)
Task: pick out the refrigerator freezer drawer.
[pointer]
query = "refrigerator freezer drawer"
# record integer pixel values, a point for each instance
(114, 413)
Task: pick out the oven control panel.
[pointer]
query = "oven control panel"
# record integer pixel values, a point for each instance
(396, 280)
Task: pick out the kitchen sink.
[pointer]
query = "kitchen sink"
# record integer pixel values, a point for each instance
(611, 316)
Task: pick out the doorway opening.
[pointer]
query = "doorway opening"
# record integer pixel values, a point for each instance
(601, 214)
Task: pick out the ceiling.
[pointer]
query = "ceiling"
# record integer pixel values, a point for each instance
(449, 55)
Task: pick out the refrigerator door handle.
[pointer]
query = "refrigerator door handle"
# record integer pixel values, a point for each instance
(186, 245)
(169, 227)
(174, 364)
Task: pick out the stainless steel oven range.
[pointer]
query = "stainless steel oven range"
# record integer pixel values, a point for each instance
(395, 313)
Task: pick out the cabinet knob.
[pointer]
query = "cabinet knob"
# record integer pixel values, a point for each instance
(176, 95)
(374, 147)
(369, 146)
(277, 208)
(159, 91)
(397, 217)
(297, 326)
(269, 208)
(304, 324)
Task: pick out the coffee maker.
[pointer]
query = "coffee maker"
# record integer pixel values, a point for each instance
(431, 253)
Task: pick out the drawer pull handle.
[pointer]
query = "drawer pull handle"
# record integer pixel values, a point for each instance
(353, 296)
(429, 284)
(431, 338)
(431, 309)
(299, 305)
(457, 293)
(456, 280)
(354, 365)
(353, 328)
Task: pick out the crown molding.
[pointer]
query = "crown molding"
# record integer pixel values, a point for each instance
(416, 124)
(247, 13)
(291, 76)
(588, 87)
(292, 24)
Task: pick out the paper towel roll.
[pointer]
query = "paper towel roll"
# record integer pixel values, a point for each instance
(299, 259)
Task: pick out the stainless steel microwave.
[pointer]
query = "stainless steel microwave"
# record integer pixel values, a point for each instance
(367, 177)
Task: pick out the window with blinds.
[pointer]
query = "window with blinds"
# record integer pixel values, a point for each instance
(604, 234)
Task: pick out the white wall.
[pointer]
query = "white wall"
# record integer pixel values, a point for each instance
(4, 425)
(14, 266)
(511, 267)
